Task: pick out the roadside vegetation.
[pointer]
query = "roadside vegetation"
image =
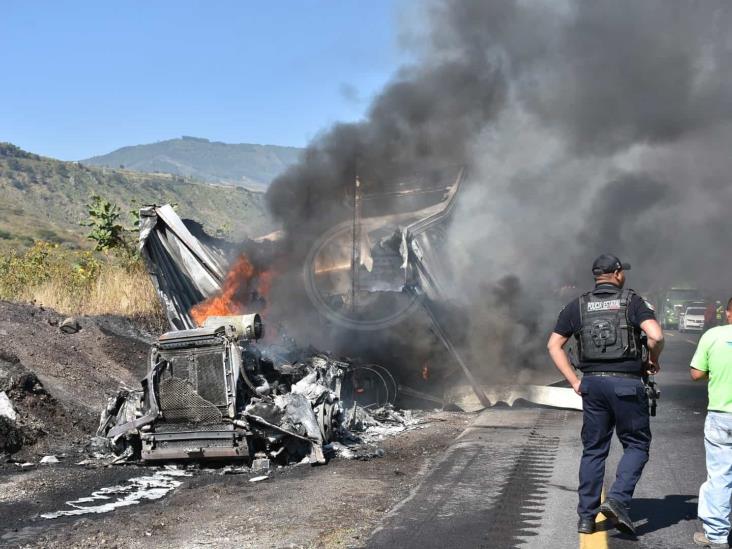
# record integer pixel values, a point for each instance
(109, 279)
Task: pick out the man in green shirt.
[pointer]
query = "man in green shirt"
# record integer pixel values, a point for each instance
(713, 362)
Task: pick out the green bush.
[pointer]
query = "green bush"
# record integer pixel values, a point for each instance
(46, 261)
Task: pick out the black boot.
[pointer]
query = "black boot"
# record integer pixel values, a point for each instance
(586, 525)
(616, 510)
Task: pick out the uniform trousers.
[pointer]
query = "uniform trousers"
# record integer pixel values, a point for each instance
(619, 404)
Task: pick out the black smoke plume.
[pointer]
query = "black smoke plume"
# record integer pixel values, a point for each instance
(587, 126)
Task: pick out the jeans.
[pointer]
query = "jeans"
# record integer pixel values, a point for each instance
(715, 493)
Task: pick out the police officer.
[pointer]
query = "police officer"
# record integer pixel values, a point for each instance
(607, 324)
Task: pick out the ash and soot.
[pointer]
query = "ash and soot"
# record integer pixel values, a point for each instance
(584, 127)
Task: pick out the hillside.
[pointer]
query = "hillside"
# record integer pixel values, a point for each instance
(44, 198)
(252, 166)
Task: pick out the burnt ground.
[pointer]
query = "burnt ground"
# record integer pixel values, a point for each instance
(336, 505)
(74, 372)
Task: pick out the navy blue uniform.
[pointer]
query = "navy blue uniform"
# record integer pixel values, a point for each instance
(610, 403)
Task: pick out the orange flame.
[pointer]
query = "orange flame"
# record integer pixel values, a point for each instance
(242, 283)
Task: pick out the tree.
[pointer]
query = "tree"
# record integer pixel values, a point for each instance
(105, 230)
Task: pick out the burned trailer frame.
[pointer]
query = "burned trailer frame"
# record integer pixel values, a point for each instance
(407, 263)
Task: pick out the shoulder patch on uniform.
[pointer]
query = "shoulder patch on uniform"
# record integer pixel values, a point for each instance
(648, 304)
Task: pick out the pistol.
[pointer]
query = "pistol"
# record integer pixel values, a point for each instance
(652, 391)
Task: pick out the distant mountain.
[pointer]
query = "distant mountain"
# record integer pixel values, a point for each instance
(44, 199)
(253, 166)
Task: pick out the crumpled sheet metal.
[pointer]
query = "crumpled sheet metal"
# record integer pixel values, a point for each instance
(121, 409)
(299, 416)
(555, 397)
(310, 388)
(185, 270)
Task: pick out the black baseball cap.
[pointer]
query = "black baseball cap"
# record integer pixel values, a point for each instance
(608, 263)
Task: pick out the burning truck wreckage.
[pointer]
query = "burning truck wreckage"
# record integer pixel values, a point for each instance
(226, 385)
(215, 393)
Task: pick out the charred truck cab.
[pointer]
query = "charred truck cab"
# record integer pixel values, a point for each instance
(213, 393)
(195, 381)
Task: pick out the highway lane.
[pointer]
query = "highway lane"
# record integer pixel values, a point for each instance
(510, 480)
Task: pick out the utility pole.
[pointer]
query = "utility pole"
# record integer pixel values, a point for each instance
(356, 249)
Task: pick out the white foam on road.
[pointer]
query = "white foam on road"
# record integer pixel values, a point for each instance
(132, 492)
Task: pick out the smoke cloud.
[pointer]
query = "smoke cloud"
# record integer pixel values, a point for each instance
(587, 127)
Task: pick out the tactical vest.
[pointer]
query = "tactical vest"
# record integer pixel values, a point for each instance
(606, 334)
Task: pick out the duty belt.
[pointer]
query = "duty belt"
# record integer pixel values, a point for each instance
(612, 374)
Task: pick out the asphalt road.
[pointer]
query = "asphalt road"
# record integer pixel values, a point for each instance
(510, 480)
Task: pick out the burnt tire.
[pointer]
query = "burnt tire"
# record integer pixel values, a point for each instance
(368, 385)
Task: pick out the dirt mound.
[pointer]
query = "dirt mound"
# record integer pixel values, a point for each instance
(29, 400)
(58, 382)
(12, 436)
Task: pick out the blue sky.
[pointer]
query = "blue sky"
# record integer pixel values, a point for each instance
(84, 78)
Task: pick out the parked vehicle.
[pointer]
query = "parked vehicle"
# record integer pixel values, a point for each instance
(692, 319)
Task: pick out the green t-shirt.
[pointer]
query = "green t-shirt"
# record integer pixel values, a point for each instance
(714, 355)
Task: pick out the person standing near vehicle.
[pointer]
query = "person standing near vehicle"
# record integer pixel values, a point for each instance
(710, 316)
(712, 361)
(607, 324)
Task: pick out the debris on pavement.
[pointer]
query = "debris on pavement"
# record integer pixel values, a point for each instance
(49, 460)
(556, 397)
(260, 464)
